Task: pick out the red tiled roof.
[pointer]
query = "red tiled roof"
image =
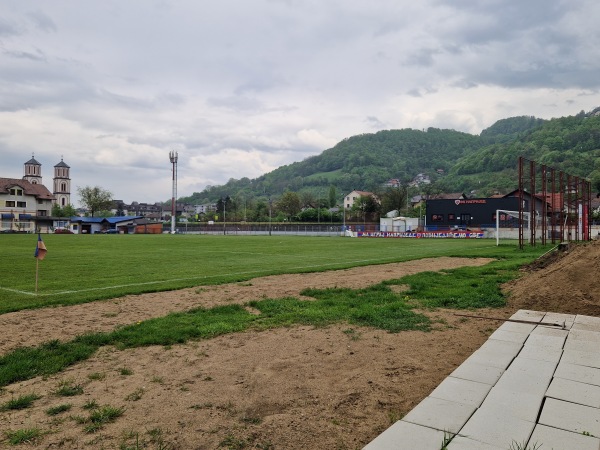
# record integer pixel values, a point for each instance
(38, 190)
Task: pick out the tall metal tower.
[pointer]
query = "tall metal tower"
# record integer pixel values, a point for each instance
(173, 158)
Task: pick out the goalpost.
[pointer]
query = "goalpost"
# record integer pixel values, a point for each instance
(510, 219)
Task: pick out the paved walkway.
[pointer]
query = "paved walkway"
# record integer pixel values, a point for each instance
(529, 386)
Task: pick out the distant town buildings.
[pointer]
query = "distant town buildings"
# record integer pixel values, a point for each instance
(26, 204)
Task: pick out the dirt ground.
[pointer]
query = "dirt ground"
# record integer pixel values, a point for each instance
(293, 388)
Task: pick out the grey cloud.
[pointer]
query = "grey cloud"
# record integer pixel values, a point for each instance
(423, 57)
(8, 28)
(38, 56)
(236, 103)
(42, 21)
(488, 21)
(375, 122)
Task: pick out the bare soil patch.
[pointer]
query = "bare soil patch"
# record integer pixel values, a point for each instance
(294, 388)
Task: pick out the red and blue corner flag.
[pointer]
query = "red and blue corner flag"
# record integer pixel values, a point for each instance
(40, 249)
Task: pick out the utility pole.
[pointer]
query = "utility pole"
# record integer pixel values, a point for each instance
(173, 158)
(224, 230)
(270, 208)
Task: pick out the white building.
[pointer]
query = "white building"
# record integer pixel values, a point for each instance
(26, 204)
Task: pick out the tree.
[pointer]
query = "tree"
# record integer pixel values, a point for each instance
(289, 204)
(67, 211)
(394, 198)
(365, 207)
(595, 176)
(332, 196)
(95, 198)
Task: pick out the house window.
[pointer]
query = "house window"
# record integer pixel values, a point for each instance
(42, 212)
(437, 217)
(16, 191)
(9, 204)
(21, 204)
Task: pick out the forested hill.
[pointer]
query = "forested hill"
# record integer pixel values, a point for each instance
(454, 161)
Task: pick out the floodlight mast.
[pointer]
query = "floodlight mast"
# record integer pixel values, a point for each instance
(173, 158)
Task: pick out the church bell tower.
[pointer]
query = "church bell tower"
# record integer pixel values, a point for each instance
(62, 184)
(33, 171)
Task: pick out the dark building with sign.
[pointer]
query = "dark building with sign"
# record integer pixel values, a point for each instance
(468, 213)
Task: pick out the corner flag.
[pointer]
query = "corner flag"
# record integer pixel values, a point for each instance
(40, 249)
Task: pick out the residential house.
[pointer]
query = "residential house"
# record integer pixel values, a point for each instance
(152, 211)
(24, 206)
(354, 195)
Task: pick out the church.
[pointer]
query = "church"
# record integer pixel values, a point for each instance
(26, 204)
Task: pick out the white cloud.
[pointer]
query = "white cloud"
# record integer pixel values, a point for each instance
(240, 88)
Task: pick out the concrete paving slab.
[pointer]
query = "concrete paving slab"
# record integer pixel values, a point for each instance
(540, 340)
(477, 372)
(587, 322)
(440, 414)
(571, 417)
(541, 353)
(492, 426)
(550, 337)
(556, 439)
(585, 335)
(503, 335)
(581, 346)
(531, 368)
(567, 319)
(590, 359)
(583, 374)
(407, 436)
(552, 377)
(516, 327)
(508, 403)
(582, 326)
(496, 353)
(525, 314)
(550, 331)
(461, 391)
(464, 443)
(575, 392)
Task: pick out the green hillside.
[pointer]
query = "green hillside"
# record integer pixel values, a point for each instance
(454, 161)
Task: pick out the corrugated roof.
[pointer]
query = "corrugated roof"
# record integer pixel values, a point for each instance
(111, 220)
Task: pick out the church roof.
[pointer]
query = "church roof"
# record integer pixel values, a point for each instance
(62, 164)
(38, 190)
(33, 162)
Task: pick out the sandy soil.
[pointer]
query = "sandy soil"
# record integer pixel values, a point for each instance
(295, 388)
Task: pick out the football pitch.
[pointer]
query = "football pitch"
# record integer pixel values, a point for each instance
(83, 268)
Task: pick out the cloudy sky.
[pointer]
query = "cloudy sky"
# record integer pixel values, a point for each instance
(241, 87)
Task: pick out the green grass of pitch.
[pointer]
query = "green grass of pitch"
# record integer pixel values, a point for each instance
(83, 268)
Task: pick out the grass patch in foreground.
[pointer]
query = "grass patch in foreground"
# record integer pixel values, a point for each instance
(23, 436)
(377, 306)
(21, 402)
(464, 287)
